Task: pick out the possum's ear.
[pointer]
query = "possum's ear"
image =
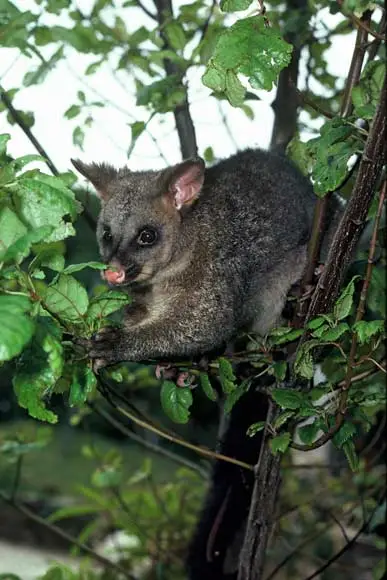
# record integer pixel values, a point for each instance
(184, 182)
(99, 174)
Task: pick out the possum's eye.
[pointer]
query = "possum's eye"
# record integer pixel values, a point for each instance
(106, 234)
(147, 237)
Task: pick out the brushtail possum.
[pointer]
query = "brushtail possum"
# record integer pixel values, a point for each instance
(205, 252)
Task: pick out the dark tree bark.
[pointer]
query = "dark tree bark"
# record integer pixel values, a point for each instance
(184, 125)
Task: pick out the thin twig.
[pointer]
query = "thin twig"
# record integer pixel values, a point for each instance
(196, 448)
(147, 444)
(26, 130)
(347, 546)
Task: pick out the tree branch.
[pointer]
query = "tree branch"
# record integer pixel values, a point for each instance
(354, 218)
(18, 119)
(184, 125)
(262, 508)
(286, 102)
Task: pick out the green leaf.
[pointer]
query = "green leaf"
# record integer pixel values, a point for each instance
(137, 128)
(207, 387)
(350, 452)
(176, 401)
(344, 303)
(331, 334)
(366, 330)
(11, 229)
(21, 248)
(331, 152)
(4, 138)
(82, 386)
(255, 428)
(234, 394)
(279, 370)
(252, 49)
(280, 443)
(107, 476)
(303, 365)
(40, 367)
(287, 398)
(43, 200)
(308, 433)
(107, 303)
(214, 78)
(284, 334)
(72, 112)
(78, 137)
(77, 267)
(66, 298)
(234, 5)
(226, 376)
(315, 323)
(283, 418)
(234, 89)
(16, 328)
(347, 431)
(175, 35)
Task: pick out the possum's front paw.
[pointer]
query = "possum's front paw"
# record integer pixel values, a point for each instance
(105, 348)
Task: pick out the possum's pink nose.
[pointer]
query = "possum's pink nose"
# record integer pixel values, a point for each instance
(115, 276)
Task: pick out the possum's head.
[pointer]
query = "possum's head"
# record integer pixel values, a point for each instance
(141, 216)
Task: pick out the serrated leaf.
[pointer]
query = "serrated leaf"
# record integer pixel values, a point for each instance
(344, 303)
(303, 365)
(226, 376)
(208, 389)
(255, 428)
(11, 229)
(107, 303)
(235, 91)
(366, 95)
(21, 248)
(16, 328)
(346, 432)
(214, 78)
(287, 399)
(176, 401)
(280, 443)
(78, 267)
(40, 367)
(283, 418)
(67, 298)
(284, 334)
(308, 433)
(350, 452)
(250, 48)
(43, 200)
(367, 329)
(335, 332)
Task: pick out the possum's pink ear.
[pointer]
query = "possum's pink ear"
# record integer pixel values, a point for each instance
(185, 182)
(99, 174)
